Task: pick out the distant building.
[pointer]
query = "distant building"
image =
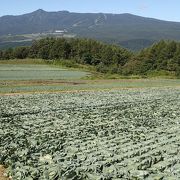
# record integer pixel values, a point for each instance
(59, 31)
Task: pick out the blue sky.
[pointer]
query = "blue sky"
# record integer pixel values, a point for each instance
(161, 9)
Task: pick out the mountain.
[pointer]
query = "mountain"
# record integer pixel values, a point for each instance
(131, 31)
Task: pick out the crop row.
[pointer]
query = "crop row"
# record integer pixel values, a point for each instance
(127, 134)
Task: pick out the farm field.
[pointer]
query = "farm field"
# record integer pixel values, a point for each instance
(116, 134)
(37, 72)
(30, 78)
(45, 86)
(95, 129)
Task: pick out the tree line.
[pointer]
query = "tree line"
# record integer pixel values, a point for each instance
(164, 55)
(161, 56)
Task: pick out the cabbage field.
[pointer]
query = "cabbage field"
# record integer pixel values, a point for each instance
(20, 72)
(98, 135)
(25, 77)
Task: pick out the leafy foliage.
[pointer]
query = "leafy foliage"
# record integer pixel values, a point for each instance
(127, 134)
(162, 56)
(30, 72)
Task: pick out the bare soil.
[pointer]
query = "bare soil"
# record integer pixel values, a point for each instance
(39, 82)
(2, 173)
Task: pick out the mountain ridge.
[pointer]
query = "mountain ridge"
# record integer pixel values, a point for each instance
(66, 11)
(132, 31)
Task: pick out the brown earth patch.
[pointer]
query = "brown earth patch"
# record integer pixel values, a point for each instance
(39, 82)
(2, 173)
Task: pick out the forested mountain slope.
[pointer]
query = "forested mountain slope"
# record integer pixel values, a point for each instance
(130, 31)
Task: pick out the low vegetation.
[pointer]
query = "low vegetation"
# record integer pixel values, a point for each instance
(24, 76)
(37, 72)
(127, 134)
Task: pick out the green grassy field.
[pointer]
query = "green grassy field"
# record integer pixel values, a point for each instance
(80, 85)
(37, 72)
(36, 76)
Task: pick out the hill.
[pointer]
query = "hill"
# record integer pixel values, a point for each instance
(130, 31)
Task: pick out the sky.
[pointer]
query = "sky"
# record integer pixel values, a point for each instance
(160, 9)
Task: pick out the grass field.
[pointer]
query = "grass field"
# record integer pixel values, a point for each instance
(37, 72)
(26, 76)
(81, 85)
